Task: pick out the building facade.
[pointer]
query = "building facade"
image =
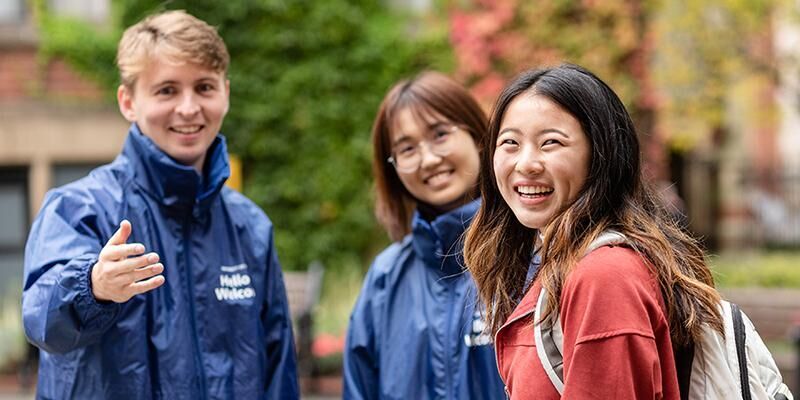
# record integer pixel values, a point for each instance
(55, 126)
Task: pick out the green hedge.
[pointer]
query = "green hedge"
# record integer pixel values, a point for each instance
(765, 269)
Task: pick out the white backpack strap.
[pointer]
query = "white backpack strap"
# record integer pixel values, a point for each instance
(549, 337)
(607, 238)
(549, 343)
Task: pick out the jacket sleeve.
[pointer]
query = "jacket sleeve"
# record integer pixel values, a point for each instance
(281, 368)
(59, 311)
(360, 353)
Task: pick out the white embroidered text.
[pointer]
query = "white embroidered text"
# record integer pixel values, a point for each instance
(234, 286)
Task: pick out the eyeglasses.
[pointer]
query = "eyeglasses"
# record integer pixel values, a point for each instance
(407, 155)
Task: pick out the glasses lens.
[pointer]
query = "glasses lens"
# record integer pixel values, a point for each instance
(407, 161)
(442, 140)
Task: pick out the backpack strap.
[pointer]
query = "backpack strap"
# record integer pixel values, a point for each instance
(549, 336)
(740, 337)
(549, 341)
(684, 358)
(607, 238)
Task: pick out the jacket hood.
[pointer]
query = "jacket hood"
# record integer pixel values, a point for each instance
(177, 185)
(439, 243)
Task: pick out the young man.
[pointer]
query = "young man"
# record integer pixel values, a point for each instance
(149, 279)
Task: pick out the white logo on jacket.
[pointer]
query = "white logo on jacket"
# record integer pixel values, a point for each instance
(477, 336)
(234, 284)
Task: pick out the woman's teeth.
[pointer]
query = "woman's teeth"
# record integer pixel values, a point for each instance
(533, 190)
(438, 178)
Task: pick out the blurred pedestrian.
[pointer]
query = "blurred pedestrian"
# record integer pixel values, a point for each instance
(148, 278)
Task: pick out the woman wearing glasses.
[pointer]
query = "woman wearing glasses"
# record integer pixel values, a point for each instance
(415, 331)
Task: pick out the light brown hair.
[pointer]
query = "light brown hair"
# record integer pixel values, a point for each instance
(429, 95)
(175, 35)
(499, 249)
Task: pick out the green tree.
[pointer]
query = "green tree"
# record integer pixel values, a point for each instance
(306, 80)
(704, 49)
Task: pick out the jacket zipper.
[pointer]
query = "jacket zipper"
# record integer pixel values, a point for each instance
(193, 316)
(448, 355)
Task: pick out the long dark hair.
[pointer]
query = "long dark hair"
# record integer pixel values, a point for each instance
(427, 95)
(615, 196)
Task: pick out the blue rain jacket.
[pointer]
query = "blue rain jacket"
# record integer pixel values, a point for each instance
(416, 329)
(219, 327)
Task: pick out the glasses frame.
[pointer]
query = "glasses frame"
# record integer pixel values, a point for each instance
(454, 128)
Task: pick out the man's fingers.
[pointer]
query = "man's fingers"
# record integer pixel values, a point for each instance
(146, 285)
(122, 234)
(146, 272)
(127, 265)
(120, 252)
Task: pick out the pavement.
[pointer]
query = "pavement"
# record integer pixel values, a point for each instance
(10, 392)
(16, 396)
(30, 396)
(325, 388)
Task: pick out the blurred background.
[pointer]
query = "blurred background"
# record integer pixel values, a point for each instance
(713, 85)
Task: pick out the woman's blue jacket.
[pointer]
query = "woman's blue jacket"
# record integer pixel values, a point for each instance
(416, 329)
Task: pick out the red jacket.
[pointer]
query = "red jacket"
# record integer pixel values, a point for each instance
(616, 335)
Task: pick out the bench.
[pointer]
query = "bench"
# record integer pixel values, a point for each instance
(774, 312)
(303, 291)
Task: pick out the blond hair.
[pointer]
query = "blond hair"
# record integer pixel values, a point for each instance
(175, 35)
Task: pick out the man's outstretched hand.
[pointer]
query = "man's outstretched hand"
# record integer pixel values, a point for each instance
(123, 270)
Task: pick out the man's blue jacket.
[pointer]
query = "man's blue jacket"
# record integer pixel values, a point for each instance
(219, 327)
(416, 329)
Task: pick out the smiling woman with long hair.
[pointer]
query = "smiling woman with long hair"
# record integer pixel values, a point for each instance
(560, 168)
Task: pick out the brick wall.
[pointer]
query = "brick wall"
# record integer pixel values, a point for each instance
(62, 81)
(18, 75)
(22, 77)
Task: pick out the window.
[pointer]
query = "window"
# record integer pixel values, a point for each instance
(12, 11)
(66, 173)
(13, 201)
(417, 6)
(88, 10)
(13, 229)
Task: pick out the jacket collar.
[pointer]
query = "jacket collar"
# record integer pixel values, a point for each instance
(175, 185)
(439, 243)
